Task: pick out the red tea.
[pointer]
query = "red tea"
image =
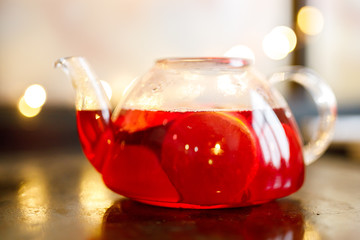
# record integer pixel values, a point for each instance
(196, 159)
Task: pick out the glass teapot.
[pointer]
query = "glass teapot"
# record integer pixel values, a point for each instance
(199, 132)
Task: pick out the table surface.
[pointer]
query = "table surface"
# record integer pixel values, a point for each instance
(60, 196)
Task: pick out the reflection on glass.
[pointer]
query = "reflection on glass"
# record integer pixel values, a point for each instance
(269, 130)
(225, 85)
(192, 90)
(216, 150)
(107, 88)
(148, 101)
(33, 198)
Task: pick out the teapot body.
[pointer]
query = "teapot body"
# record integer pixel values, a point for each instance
(197, 133)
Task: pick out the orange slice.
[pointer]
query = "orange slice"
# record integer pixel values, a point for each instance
(210, 157)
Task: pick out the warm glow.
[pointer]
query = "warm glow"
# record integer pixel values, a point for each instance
(310, 20)
(217, 149)
(35, 96)
(26, 110)
(241, 51)
(94, 197)
(217, 146)
(279, 42)
(107, 88)
(289, 34)
(310, 233)
(32, 197)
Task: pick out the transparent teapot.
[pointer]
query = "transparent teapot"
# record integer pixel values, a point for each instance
(199, 132)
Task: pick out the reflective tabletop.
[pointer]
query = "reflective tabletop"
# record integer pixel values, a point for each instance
(58, 195)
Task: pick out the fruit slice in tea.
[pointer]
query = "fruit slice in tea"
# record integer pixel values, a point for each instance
(210, 157)
(138, 120)
(135, 172)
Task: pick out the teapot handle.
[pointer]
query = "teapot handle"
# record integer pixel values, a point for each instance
(325, 101)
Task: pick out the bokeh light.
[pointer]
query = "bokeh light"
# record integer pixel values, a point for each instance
(276, 46)
(241, 51)
(35, 96)
(279, 42)
(289, 34)
(26, 110)
(310, 20)
(107, 88)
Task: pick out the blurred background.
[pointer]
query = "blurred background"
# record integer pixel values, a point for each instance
(122, 39)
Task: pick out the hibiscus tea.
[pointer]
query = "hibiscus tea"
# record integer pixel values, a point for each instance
(195, 159)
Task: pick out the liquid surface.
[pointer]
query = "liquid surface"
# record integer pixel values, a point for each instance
(195, 159)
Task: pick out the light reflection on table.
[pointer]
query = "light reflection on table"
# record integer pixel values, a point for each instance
(32, 198)
(94, 197)
(60, 196)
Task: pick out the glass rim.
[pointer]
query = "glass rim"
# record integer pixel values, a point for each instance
(204, 61)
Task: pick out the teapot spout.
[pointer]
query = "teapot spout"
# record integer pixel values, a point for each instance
(90, 94)
(93, 112)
